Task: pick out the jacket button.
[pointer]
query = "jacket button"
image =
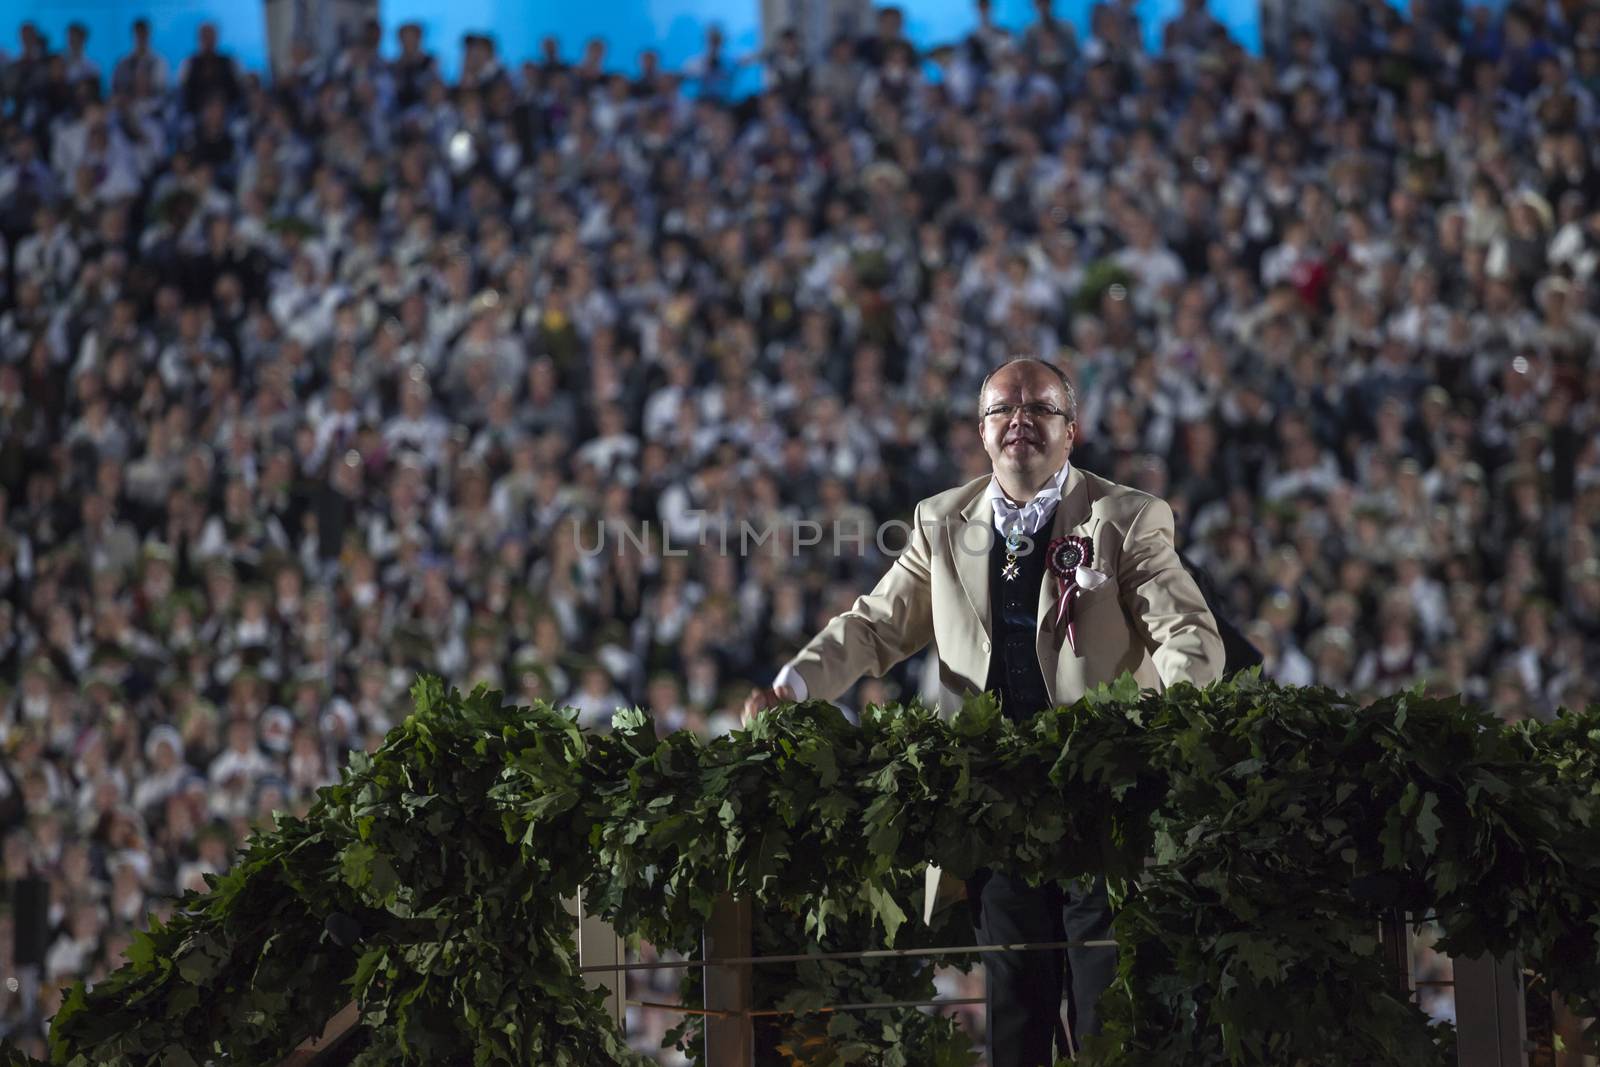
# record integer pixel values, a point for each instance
(986, 647)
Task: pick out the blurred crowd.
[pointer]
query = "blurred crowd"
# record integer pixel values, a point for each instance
(313, 382)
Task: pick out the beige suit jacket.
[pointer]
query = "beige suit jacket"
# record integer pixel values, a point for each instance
(1149, 619)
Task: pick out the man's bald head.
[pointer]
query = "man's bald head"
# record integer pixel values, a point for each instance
(1027, 418)
(1069, 402)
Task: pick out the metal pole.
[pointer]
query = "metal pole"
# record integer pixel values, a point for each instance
(864, 954)
(760, 1012)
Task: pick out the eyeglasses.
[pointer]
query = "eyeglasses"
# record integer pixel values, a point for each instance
(1033, 411)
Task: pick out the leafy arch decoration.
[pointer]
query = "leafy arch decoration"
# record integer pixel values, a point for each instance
(1250, 834)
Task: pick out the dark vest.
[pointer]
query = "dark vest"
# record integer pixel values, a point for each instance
(1014, 672)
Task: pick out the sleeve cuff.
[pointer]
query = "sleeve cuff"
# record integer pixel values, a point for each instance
(792, 678)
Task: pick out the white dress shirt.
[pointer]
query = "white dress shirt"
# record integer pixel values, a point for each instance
(1033, 515)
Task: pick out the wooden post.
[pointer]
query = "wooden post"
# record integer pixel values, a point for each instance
(1397, 949)
(599, 946)
(1569, 1028)
(321, 1049)
(730, 1037)
(1491, 1018)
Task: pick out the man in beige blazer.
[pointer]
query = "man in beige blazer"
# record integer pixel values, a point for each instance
(973, 580)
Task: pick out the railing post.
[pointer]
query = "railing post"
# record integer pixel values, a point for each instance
(1569, 1028)
(1491, 1018)
(599, 946)
(730, 1039)
(322, 1048)
(1397, 948)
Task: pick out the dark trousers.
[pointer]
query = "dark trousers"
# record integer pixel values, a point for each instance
(1025, 988)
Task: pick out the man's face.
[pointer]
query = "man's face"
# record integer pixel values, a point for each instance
(1024, 447)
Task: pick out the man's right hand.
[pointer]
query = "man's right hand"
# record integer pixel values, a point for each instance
(760, 700)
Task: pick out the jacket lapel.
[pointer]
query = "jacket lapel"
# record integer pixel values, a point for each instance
(969, 544)
(1070, 513)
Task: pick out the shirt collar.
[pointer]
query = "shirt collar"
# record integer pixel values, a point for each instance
(1032, 511)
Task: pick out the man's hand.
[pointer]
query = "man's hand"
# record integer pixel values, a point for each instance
(760, 700)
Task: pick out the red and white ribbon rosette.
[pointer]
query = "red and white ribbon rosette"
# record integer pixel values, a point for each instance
(1068, 559)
